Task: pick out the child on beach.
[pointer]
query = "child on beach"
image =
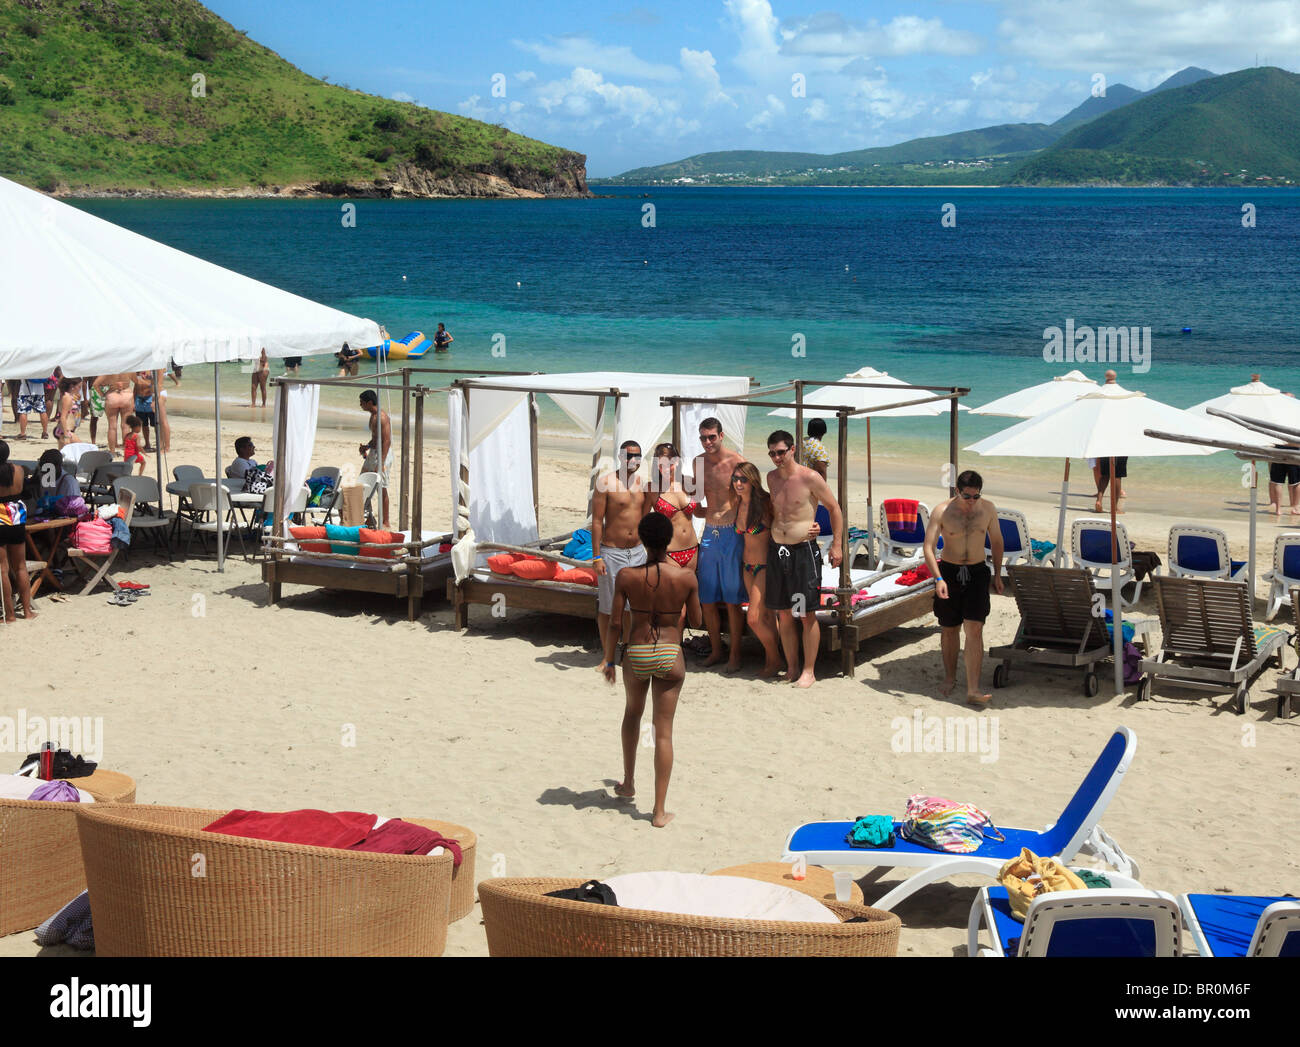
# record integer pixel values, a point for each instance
(131, 452)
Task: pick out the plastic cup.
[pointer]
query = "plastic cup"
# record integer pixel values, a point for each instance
(843, 886)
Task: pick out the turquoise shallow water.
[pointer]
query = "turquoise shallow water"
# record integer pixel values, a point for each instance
(729, 281)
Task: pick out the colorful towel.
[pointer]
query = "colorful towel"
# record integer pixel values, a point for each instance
(338, 535)
(1042, 550)
(902, 513)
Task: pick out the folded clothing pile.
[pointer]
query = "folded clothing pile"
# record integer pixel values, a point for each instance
(535, 568)
(20, 787)
(345, 830)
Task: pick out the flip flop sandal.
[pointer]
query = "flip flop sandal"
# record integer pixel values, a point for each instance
(120, 600)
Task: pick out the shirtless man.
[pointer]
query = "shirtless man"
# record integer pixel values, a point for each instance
(961, 594)
(144, 404)
(615, 513)
(721, 549)
(380, 447)
(794, 561)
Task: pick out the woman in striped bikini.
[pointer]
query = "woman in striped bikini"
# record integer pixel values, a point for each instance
(656, 592)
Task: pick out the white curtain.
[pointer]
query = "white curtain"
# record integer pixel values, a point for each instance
(500, 489)
(301, 404)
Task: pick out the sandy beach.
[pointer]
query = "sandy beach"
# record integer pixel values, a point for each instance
(211, 698)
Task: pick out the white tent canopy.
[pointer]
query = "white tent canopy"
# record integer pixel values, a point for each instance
(860, 398)
(93, 298)
(1035, 399)
(494, 442)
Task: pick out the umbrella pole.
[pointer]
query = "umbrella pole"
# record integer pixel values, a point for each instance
(216, 401)
(1250, 571)
(872, 560)
(1060, 520)
(1116, 608)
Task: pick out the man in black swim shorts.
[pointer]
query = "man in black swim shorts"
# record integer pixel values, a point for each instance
(961, 596)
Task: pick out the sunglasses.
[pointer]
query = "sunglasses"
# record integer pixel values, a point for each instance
(969, 497)
(740, 479)
(708, 438)
(778, 452)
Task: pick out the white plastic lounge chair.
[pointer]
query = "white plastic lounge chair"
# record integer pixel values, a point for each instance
(1202, 552)
(1288, 686)
(1075, 831)
(1090, 548)
(1285, 572)
(95, 566)
(1243, 924)
(1110, 922)
(1058, 627)
(1016, 546)
(1208, 641)
(901, 546)
(368, 482)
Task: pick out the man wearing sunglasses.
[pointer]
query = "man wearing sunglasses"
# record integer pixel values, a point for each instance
(961, 594)
(794, 562)
(615, 513)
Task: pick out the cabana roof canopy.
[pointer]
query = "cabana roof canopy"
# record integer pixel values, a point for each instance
(86, 295)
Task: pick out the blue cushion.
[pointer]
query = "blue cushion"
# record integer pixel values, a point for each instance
(1095, 546)
(1228, 921)
(1099, 936)
(1197, 553)
(1291, 561)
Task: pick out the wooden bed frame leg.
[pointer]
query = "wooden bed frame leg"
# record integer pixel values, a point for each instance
(275, 591)
(462, 611)
(849, 649)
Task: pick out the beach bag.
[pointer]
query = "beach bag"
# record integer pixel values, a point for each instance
(1028, 876)
(257, 481)
(946, 825)
(93, 535)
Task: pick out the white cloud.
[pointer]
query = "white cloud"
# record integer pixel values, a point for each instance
(880, 102)
(701, 67)
(587, 94)
(474, 109)
(401, 96)
(756, 27)
(763, 121)
(525, 76)
(831, 34)
(1089, 36)
(582, 51)
(817, 110)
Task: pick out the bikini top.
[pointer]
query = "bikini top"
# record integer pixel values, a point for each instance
(654, 612)
(666, 508)
(758, 528)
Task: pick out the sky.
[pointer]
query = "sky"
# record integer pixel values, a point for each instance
(632, 84)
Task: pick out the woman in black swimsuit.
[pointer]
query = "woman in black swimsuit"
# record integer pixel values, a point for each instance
(13, 537)
(753, 518)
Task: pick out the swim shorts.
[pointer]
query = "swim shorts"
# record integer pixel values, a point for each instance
(794, 576)
(1121, 467)
(31, 403)
(721, 551)
(968, 593)
(1282, 473)
(615, 560)
(371, 464)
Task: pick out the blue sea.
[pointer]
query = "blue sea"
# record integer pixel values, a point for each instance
(732, 281)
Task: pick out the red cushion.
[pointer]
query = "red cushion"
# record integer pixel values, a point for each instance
(577, 576)
(503, 563)
(380, 538)
(310, 532)
(536, 570)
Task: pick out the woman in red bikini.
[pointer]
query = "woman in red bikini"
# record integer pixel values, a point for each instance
(753, 518)
(665, 496)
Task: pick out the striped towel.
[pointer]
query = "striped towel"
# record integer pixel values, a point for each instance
(902, 513)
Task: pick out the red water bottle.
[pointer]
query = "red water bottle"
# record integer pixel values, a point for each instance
(47, 761)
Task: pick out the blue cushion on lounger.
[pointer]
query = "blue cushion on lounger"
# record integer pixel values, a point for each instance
(337, 534)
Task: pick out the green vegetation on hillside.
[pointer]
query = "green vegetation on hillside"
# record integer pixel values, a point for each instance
(163, 94)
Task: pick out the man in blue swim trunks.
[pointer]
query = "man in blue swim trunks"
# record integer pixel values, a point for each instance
(721, 549)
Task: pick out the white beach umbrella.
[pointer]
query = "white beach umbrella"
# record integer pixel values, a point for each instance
(861, 397)
(1034, 400)
(1258, 401)
(1109, 422)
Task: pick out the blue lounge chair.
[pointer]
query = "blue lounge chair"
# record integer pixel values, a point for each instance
(1242, 924)
(1112, 922)
(1017, 547)
(1076, 830)
(901, 546)
(1202, 552)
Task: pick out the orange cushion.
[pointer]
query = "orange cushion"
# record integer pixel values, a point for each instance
(380, 538)
(310, 532)
(577, 576)
(502, 562)
(537, 570)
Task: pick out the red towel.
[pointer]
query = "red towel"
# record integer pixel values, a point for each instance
(314, 828)
(398, 837)
(915, 576)
(902, 512)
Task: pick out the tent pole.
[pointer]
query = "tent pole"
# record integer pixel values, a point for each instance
(216, 401)
(1250, 571)
(597, 439)
(532, 446)
(1116, 595)
(406, 445)
(848, 634)
(281, 495)
(798, 422)
(462, 500)
(952, 445)
(417, 490)
(872, 559)
(158, 445)
(1060, 520)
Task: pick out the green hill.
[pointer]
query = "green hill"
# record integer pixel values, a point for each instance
(883, 164)
(101, 95)
(1119, 95)
(1242, 126)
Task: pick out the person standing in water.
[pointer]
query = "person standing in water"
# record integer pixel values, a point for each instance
(442, 340)
(657, 592)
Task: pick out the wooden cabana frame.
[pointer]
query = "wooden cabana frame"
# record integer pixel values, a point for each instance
(850, 628)
(410, 576)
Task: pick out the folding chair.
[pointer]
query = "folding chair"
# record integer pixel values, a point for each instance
(150, 517)
(96, 565)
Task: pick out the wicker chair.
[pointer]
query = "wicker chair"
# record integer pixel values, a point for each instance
(521, 921)
(40, 855)
(161, 886)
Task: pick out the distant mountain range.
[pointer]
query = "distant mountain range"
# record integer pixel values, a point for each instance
(1194, 128)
